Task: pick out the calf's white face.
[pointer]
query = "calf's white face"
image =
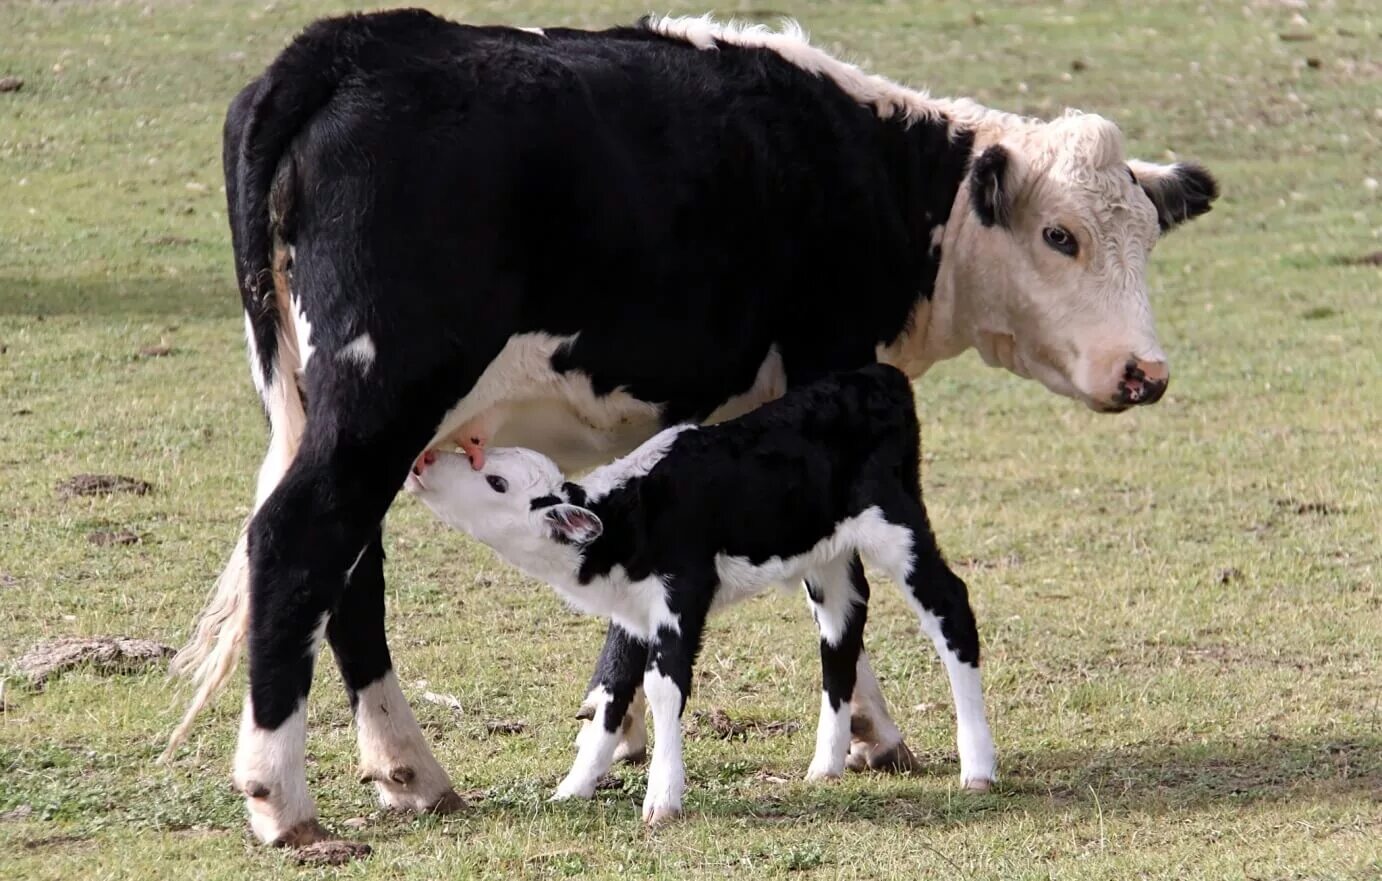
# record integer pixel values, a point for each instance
(514, 503)
(1052, 279)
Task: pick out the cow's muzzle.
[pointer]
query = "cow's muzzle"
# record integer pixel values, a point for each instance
(1143, 382)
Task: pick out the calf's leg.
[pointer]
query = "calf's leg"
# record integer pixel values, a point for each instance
(667, 684)
(909, 553)
(838, 593)
(613, 690)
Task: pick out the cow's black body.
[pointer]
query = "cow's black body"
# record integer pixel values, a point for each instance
(446, 187)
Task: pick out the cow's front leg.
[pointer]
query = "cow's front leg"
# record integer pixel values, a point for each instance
(394, 754)
(613, 691)
(621, 652)
(876, 742)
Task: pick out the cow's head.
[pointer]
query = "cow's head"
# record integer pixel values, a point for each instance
(1051, 262)
(516, 503)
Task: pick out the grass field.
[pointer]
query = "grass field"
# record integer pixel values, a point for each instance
(1180, 607)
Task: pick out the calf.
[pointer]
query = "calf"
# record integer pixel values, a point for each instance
(697, 519)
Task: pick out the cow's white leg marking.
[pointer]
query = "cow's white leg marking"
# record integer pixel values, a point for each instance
(596, 746)
(832, 742)
(666, 774)
(270, 771)
(393, 751)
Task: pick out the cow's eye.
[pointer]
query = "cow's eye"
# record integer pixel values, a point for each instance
(497, 483)
(1060, 238)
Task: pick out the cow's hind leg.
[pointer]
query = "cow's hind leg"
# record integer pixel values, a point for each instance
(302, 543)
(907, 550)
(839, 595)
(614, 689)
(394, 754)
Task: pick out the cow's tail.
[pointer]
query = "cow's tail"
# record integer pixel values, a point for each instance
(260, 185)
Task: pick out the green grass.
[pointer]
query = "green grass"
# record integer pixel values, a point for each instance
(1180, 607)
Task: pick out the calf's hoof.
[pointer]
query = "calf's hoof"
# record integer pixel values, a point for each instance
(577, 791)
(822, 773)
(658, 815)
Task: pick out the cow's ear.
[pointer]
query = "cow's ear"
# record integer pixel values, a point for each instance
(573, 524)
(1180, 192)
(991, 186)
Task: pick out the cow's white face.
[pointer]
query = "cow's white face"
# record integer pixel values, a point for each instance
(514, 503)
(1051, 259)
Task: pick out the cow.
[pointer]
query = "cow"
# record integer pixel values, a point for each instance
(806, 487)
(568, 240)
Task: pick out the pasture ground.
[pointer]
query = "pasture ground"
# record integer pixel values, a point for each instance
(1180, 607)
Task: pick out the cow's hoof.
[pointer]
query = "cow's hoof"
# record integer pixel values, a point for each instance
(331, 852)
(658, 815)
(304, 834)
(402, 788)
(631, 755)
(896, 759)
(977, 784)
(449, 803)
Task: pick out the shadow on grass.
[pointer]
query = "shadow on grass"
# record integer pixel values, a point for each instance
(1146, 778)
(199, 296)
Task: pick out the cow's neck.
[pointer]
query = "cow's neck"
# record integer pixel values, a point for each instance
(937, 329)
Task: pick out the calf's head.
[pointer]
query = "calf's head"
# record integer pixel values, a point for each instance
(1052, 278)
(517, 503)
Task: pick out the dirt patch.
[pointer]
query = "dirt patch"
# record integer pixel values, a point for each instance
(718, 724)
(101, 485)
(105, 654)
(53, 841)
(13, 815)
(11, 84)
(8, 580)
(104, 538)
(1324, 509)
(331, 853)
(1373, 259)
(505, 726)
(155, 351)
(1228, 575)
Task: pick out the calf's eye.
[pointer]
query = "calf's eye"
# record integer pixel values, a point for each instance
(497, 483)
(1061, 239)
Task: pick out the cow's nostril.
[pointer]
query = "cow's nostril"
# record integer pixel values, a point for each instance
(1144, 382)
(429, 457)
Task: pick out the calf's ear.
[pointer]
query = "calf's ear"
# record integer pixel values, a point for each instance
(992, 186)
(573, 524)
(1180, 192)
